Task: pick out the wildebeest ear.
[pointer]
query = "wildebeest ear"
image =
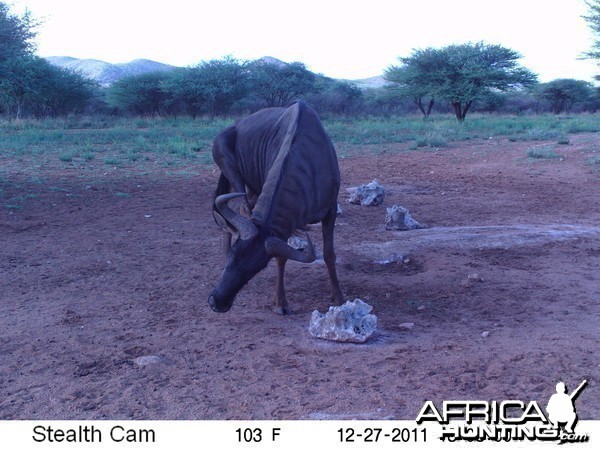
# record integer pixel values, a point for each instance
(241, 225)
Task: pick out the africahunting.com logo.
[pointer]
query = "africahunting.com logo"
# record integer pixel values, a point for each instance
(509, 420)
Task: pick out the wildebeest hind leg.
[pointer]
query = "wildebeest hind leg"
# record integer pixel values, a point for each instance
(281, 304)
(328, 225)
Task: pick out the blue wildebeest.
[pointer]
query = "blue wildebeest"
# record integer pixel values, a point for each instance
(282, 164)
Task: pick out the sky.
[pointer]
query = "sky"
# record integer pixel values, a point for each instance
(341, 39)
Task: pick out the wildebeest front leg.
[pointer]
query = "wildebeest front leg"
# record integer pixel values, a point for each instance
(328, 225)
(281, 304)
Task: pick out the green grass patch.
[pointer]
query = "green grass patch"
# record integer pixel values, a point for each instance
(595, 163)
(66, 157)
(18, 202)
(442, 130)
(118, 140)
(149, 144)
(545, 152)
(58, 189)
(112, 162)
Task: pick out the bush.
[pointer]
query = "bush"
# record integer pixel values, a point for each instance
(545, 152)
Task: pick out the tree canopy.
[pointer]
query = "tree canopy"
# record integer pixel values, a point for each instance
(139, 94)
(415, 78)
(593, 20)
(562, 94)
(29, 83)
(459, 74)
(452, 78)
(215, 86)
(277, 84)
(16, 34)
(211, 87)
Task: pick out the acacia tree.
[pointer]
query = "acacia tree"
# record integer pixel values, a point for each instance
(211, 87)
(279, 83)
(28, 83)
(139, 94)
(34, 86)
(224, 82)
(16, 47)
(562, 94)
(413, 79)
(16, 34)
(335, 96)
(593, 20)
(460, 74)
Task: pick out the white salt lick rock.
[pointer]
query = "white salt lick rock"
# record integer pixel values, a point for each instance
(371, 194)
(350, 322)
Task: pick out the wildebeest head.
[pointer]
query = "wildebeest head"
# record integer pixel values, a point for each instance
(249, 254)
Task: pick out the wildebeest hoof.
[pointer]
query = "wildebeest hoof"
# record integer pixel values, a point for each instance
(283, 310)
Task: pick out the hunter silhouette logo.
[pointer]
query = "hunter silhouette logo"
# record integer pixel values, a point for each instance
(508, 420)
(561, 407)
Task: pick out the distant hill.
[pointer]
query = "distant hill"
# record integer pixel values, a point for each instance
(107, 73)
(271, 60)
(369, 83)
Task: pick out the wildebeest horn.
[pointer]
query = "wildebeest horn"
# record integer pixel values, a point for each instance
(243, 226)
(278, 247)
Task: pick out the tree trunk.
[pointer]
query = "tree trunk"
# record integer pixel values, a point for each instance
(461, 112)
(431, 102)
(467, 106)
(419, 102)
(19, 108)
(458, 111)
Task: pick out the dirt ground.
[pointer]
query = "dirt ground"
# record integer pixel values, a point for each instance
(98, 270)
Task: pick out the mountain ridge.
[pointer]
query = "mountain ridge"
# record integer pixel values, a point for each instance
(106, 73)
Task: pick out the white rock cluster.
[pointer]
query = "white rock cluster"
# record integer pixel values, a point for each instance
(398, 218)
(371, 194)
(350, 322)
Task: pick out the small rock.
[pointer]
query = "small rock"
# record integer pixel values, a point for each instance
(394, 258)
(384, 262)
(371, 194)
(471, 280)
(406, 326)
(350, 322)
(147, 360)
(485, 334)
(398, 218)
(421, 308)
